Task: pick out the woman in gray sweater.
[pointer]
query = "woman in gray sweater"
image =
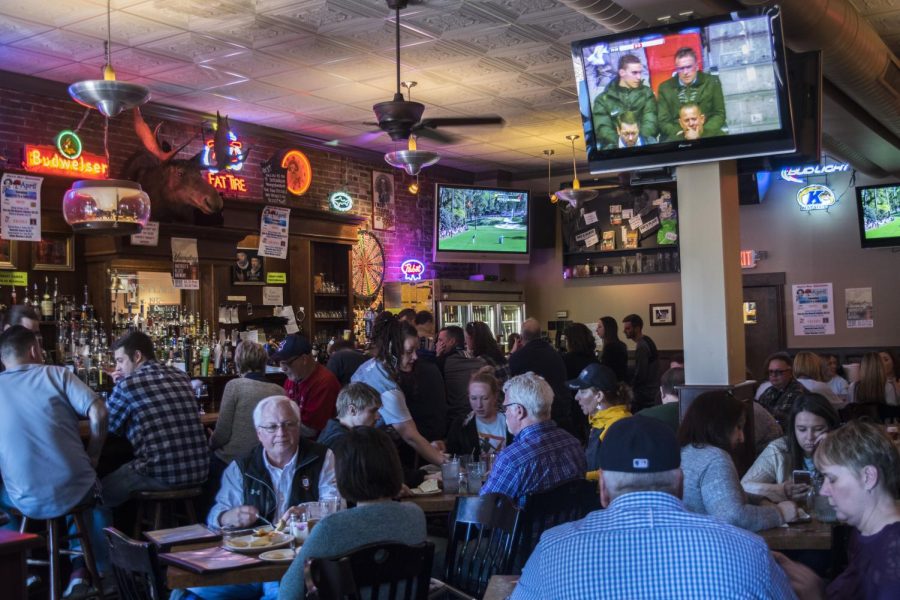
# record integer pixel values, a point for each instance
(711, 429)
(368, 472)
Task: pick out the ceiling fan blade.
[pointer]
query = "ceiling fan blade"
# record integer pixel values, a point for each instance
(433, 134)
(461, 121)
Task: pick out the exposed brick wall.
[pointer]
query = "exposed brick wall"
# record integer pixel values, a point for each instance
(27, 117)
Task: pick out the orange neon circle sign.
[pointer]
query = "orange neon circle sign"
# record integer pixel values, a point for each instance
(299, 172)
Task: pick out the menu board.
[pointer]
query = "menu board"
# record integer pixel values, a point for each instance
(274, 182)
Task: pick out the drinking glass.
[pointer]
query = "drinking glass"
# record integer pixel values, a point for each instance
(329, 505)
(450, 475)
(475, 474)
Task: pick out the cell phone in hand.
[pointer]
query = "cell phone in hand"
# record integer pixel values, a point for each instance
(802, 477)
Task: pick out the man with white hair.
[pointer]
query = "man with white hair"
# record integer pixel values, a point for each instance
(283, 471)
(645, 544)
(541, 455)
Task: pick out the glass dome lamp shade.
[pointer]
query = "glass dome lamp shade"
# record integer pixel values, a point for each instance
(106, 207)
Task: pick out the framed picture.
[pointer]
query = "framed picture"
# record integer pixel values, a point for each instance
(662, 314)
(384, 206)
(249, 267)
(9, 251)
(53, 253)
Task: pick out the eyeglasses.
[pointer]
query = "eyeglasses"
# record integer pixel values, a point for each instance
(284, 364)
(273, 427)
(502, 408)
(686, 68)
(777, 372)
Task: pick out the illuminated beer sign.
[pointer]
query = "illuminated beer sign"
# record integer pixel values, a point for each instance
(226, 182)
(816, 197)
(794, 174)
(298, 172)
(412, 269)
(340, 201)
(48, 160)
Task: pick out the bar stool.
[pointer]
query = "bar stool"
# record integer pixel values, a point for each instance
(55, 546)
(152, 502)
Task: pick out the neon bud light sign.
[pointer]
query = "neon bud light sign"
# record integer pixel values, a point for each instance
(412, 269)
(795, 173)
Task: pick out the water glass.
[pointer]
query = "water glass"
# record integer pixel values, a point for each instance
(475, 473)
(450, 475)
(329, 505)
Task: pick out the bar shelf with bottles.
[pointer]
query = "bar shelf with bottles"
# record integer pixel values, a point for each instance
(652, 261)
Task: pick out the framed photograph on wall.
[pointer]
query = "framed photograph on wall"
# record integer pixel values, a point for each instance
(662, 314)
(9, 252)
(384, 205)
(249, 267)
(53, 253)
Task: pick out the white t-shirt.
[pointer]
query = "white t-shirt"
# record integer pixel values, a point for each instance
(494, 433)
(393, 403)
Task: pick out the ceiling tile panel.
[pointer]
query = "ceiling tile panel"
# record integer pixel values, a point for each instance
(320, 16)
(12, 29)
(198, 77)
(188, 16)
(193, 47)
(27, 62)
(258, 32)
(304, 79)
(314, 51)
(62, 13)
(249, 91)
(378, 35)
(433, 53)
(124, 28)
(351, 92)
(67, 73)
(341, 113)
(62, 44)
(458, 21)
(135, 61)
(298, 103)
(252, 64)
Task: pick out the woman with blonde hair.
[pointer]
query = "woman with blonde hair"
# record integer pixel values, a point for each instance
(809, 371)
(872, 385)
(483, 430)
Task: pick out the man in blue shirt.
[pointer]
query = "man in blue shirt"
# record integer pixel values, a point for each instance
(646, 544)
(541, 455)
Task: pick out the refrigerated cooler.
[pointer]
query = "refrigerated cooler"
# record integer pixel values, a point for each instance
(458, 301)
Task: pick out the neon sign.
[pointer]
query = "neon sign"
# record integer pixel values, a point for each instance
(816, 197)
(340, 201)
(69, 144)
(46, 159)
(412, 269)
(794, 174)
(226, 182)
(299, 172)
(208, 158)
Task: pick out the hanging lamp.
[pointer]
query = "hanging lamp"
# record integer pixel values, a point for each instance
(575, 196)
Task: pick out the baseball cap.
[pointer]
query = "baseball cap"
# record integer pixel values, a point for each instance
(639, 445)
(594, 375)
(293, 345)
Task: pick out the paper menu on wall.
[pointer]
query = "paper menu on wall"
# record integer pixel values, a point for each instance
(590, 217)
(272, 296)
(288, 313)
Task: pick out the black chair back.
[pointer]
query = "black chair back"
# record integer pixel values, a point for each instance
(136, 569)
(377, 571)
(482, 530)
(566, 502)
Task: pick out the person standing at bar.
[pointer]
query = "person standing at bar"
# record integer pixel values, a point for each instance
(645, 378)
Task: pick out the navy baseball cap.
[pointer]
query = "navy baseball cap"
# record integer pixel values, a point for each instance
(293, 346)
(594, 375)
(639, 445)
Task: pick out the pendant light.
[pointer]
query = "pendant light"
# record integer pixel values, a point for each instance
(553, 197)
(575, 196)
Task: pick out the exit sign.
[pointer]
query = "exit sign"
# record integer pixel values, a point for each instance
(748, 259)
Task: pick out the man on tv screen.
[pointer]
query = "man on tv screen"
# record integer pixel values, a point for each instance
(626, 92)
(691, 123)
(690, 85)
(629, 131)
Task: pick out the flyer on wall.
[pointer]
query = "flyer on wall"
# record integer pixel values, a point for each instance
(813, 309)
(20, 204)
(859, 308)
(185, 264)
(273, 232)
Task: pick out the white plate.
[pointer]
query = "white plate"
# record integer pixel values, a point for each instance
(417, 492)
(251, 544)
(283, 555)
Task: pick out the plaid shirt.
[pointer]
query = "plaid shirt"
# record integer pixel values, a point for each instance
(155, 408)
(646, 545)
(540, 457)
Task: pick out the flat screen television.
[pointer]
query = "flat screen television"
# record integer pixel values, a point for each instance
(696, 91)
(481, 224)
(878, 209)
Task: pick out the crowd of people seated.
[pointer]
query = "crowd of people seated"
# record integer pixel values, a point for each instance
(669, 482)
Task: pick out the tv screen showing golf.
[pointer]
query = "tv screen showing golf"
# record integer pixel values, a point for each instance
(879, 214)
(475, 224)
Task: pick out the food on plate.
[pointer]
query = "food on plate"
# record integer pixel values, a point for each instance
(429, 486)
(238, 543)
(260, 542)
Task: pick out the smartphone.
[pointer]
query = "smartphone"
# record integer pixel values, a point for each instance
(802, 477)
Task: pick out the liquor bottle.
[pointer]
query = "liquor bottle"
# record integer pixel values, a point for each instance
(36, 300)
(25, 300)
(46, 302)
(56, 293)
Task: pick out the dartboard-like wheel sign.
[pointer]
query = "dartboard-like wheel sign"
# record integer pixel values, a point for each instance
(368, 266)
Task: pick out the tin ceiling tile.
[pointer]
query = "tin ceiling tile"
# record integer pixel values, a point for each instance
(65, 45)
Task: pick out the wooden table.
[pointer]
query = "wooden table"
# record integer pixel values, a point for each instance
(206, 419)
(804, 536)
(500, 587)
(13, 571)
(434, 503)
(178, 578)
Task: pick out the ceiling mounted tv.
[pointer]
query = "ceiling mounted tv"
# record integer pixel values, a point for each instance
(695, 91)
(878, 209)
(481, 224)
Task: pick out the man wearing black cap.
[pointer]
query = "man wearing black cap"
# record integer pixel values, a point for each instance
(313, 387)
(646, 544)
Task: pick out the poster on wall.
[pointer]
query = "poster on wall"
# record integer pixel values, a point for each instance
(813, 309)
(859, 308)
(20, 205)
(384, 206)
(185, 264)
(273, 232)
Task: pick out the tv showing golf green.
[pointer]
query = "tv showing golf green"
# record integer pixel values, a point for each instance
(879, 214)
(476, 223)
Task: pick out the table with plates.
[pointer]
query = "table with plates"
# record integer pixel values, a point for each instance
(814, 535)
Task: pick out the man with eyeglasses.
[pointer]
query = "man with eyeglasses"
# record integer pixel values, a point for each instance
(778, 395)
(313, 387)
(690, 85)
(541, 455)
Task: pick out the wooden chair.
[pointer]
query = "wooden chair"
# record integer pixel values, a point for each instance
(482, 531)
(163, 505)
(377, 571)
(566, 502)
(134, 564)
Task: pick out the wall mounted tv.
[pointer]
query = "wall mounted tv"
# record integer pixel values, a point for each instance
(878, 209)
(695, 91)
(481, 224)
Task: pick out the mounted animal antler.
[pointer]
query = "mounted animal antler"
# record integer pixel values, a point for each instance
(150, 139)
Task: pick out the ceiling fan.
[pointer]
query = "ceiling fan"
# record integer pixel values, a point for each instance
(402, 119)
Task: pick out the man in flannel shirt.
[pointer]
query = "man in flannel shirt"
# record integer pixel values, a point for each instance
(541, 455)
(645, 544)
(154, 406)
